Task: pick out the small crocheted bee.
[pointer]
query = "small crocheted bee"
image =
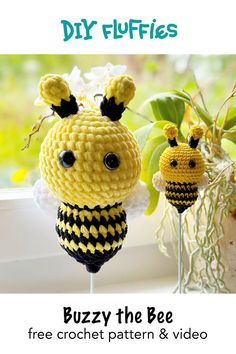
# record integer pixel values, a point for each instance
(181, 169)
(91, 163)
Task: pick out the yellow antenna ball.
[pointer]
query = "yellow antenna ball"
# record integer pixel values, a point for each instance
(122, 88)
(53, 88)
(170, 131)
(196, 132)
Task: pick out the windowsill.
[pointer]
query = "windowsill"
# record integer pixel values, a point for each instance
(164, 285)
(133, 269)
(15, 193)
(14, 198)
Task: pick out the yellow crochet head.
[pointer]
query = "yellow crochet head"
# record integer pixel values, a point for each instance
(89, 159)
(182, 163)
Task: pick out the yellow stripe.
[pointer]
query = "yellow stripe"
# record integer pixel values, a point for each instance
(91, 248)
(99, 247)
(82, 247)
(111, 230)
(76, 230)
(120, 208)
(70, 245)
(61, 225)
(65, 227)
(123, 225)
(84, 231)
(107, 246)
(85, 214)
(103, 231)
(181, 195)
(118, 229)
(114, 245)
(104, 213)
(74, 245)
(93, 231)
(182, 186)
(96, 214)
(113, 212)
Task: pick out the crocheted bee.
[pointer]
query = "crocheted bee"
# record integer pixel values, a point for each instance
(91, 163)
(181, 169)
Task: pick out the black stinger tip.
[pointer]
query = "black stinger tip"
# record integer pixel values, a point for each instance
(181, 208)
(92, 268)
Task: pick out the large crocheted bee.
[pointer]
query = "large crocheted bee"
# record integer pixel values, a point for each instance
(181, 169)
(91, 163)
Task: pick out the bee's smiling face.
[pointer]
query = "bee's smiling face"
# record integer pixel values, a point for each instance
(87, 159)
(182, 164)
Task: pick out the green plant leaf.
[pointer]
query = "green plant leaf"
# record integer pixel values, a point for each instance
(230, 135)
(142, 134)
(153, 167)
(147, 152)
(166, 106)
(157, 129)
(231, 121)
(154, 196)
(203, 114)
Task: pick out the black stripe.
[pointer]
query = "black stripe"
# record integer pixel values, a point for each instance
(93, 240)
(181, 186)
(185, 198)
(175, 189)
(97, 207)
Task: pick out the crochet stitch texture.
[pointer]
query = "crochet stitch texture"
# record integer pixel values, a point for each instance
(90, 136)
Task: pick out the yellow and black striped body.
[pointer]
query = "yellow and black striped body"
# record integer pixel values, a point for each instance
(91, 236)
(181, 195)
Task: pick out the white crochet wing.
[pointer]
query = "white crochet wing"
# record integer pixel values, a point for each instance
(137, 201)
(45, 199)
(203, 182)
(158, 182)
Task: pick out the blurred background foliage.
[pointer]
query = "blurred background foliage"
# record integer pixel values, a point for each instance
(20, 74)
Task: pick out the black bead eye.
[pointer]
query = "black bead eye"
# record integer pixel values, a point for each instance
(67, 158)
(111, 161)
(192, 163)
(173, 163)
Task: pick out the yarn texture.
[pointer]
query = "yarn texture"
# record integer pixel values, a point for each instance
(122, 88)
(181, 169)
(170, 131)
(182, 172)
(91, 236)
(88, 182)
(196, 132)
(53, 88)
